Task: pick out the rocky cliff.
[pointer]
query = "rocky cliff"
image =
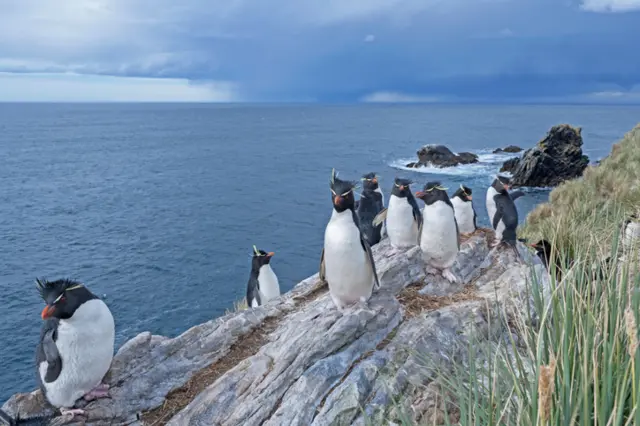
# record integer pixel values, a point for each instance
(298, 361)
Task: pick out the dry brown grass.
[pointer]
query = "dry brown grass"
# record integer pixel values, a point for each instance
(179, 398)
(415, 303)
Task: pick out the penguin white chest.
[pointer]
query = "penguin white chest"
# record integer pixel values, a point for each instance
(439, 239)
(631, 238)
(402, 229)
(85, 343)
(347, 267)
(268, 282)
(491, 204)
(464, 215)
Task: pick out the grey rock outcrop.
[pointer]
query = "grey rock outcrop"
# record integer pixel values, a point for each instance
(556, 158)
(510, 165)
(297, 361)
(441, 156)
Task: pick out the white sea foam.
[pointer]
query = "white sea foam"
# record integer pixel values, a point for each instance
(488, 163)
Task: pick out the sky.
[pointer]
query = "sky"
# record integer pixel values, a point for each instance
(320, 50)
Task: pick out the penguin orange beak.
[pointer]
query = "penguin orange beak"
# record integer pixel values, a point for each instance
(507, 187)
(374, 180)
(270, 254)
(419, 194)
(470, 197)
(402, 187)
(337, 199)
(47, 312)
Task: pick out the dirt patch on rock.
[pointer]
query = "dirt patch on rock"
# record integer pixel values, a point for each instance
(179, 398)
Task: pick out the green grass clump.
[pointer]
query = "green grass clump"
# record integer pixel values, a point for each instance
(238, 305)
(577, 362)
(593, 206)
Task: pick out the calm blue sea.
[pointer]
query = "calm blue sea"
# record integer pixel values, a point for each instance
(156, 207)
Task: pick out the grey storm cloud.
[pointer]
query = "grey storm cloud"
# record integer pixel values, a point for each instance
(336, 49)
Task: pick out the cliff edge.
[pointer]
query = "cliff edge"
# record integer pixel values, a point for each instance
(298, 361)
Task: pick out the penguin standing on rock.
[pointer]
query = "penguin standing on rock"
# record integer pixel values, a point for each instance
(463, 207)
(502, 211)
(346, 262)
(263, 283)
(403, 217)
(439, 234)
(76, 345)
(371, 203)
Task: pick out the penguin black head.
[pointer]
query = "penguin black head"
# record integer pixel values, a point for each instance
(464, 193)
(632, 218)
(401, 187)
(432, 192)
(543, 250)
(260, 258)
(369, 182)
(342, 193)
(62, 297)
(501, 184)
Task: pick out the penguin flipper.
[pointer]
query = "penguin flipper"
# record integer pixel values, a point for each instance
(372, 263)
(50, 352)
(475, 225)
(497, 216)
(516, 194)
(322, 271)
(457, 231)
(380, 217)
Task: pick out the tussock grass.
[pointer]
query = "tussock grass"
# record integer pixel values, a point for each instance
(577, 361)
(594, 206)
(238, 305)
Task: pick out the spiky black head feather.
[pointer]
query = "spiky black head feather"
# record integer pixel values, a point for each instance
(260, 258)
(433, 191)
(342, 193)
(464, 193)
(62, 297)
(501, 184)
(402, 187)
(369, 181)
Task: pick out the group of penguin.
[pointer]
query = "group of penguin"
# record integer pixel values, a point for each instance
(76, 344)
(77, 338)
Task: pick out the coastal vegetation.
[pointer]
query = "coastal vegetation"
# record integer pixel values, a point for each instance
(577, 362)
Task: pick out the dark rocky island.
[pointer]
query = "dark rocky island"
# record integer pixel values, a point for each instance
(441, 156)
(556, 158)
(509, 149)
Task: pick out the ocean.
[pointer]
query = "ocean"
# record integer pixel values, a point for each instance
(156, 207)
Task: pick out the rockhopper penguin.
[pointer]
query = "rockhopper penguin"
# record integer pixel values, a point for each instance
(346, 262)
(631, 234)
(463, 207)
(370, 204)
(502, 211)
(403, 217)
(263, 283)
(439, 235)
(76, 344)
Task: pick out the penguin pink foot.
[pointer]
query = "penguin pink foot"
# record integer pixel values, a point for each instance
(430, 270)
(449, 276)
(72, 412)
(495, 243)
(100, 391)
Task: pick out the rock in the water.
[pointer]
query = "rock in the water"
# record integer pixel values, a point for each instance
(510, 149)
(298, 361)
(441, 156)
(510, 165)
(556, 158)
